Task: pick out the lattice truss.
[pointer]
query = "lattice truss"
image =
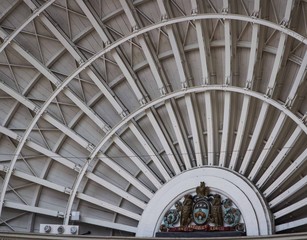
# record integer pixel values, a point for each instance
(102, 102)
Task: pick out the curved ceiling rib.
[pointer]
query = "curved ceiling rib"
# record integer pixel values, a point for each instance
(104, 102)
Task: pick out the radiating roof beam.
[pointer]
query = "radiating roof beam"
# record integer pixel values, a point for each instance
(289, 192)
(28, 208)
(23, 100)
(78, 56)
(72, 134)
(40, 181)
(125, 174)
(254, 47)
(55, 31)
(228, 46)
(286, 174)
(164, 142)
(106, 224)
(138, 162)
(135, 25)
(201, 38)
(20, 98)
(276, 66)
(289, 209)
(43, 69)
(179, 136)
(280, 50)
(108, 206)
(255, 138)
(107, 93)
(120, 192)
(63, 39)
(151, 61)
(249, 83)
(97, 25)
(149, 151)
(39, 148)
(240, 132)
(173, 41)
(268, 146)
(270, 89)
(194, 130)
(204, 53)
(298, 80)
(227, 81)
(280, 157)
(35, 13)
(51, 154)
(210, 127)
(289, 225)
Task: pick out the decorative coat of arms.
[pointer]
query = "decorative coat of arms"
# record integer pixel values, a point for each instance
(203, 212)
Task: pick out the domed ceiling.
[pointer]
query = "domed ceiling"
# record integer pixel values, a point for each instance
(104, 102)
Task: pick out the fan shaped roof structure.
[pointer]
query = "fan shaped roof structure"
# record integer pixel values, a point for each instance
(105, 103)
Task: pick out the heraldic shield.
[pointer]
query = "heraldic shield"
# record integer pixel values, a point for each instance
(201, 210)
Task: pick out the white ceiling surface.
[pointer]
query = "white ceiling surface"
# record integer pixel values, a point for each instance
(102, 102)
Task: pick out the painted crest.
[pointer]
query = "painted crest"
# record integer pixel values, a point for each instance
(170, 218)
(231, 215)
(201, 210)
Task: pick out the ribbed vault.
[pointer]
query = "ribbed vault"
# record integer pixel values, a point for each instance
(103, 102)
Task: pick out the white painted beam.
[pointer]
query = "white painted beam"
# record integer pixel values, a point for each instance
(249, 83)
(39, 148)
(115, 55)
(289, 225)
(23, 100)
(298, 79)
(174, 44)
(79, 58)
(149, 151)
(106, 92)
(40, 181)
(290, 209)
(240, 132)
(280, 51)
(126, 175)
(179, 136)
(35, 13)
(51, 77)
(194, 130)
(144, 46)
(202, 52)
(164, 142)
(277, 64)
(20, 98)
(268, 146)
(108, 206)
(289, 192)
(128, 77)
(69, 132)
(280, 157)
(286, 174)
(210, 128)
(106, 224)
(27, 208)
(255, 138)
(227, 81)
(72, 50)
(253, 55)
(137, 161)
(120, 192)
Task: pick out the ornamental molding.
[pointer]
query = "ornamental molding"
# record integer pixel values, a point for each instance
(245, 196)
